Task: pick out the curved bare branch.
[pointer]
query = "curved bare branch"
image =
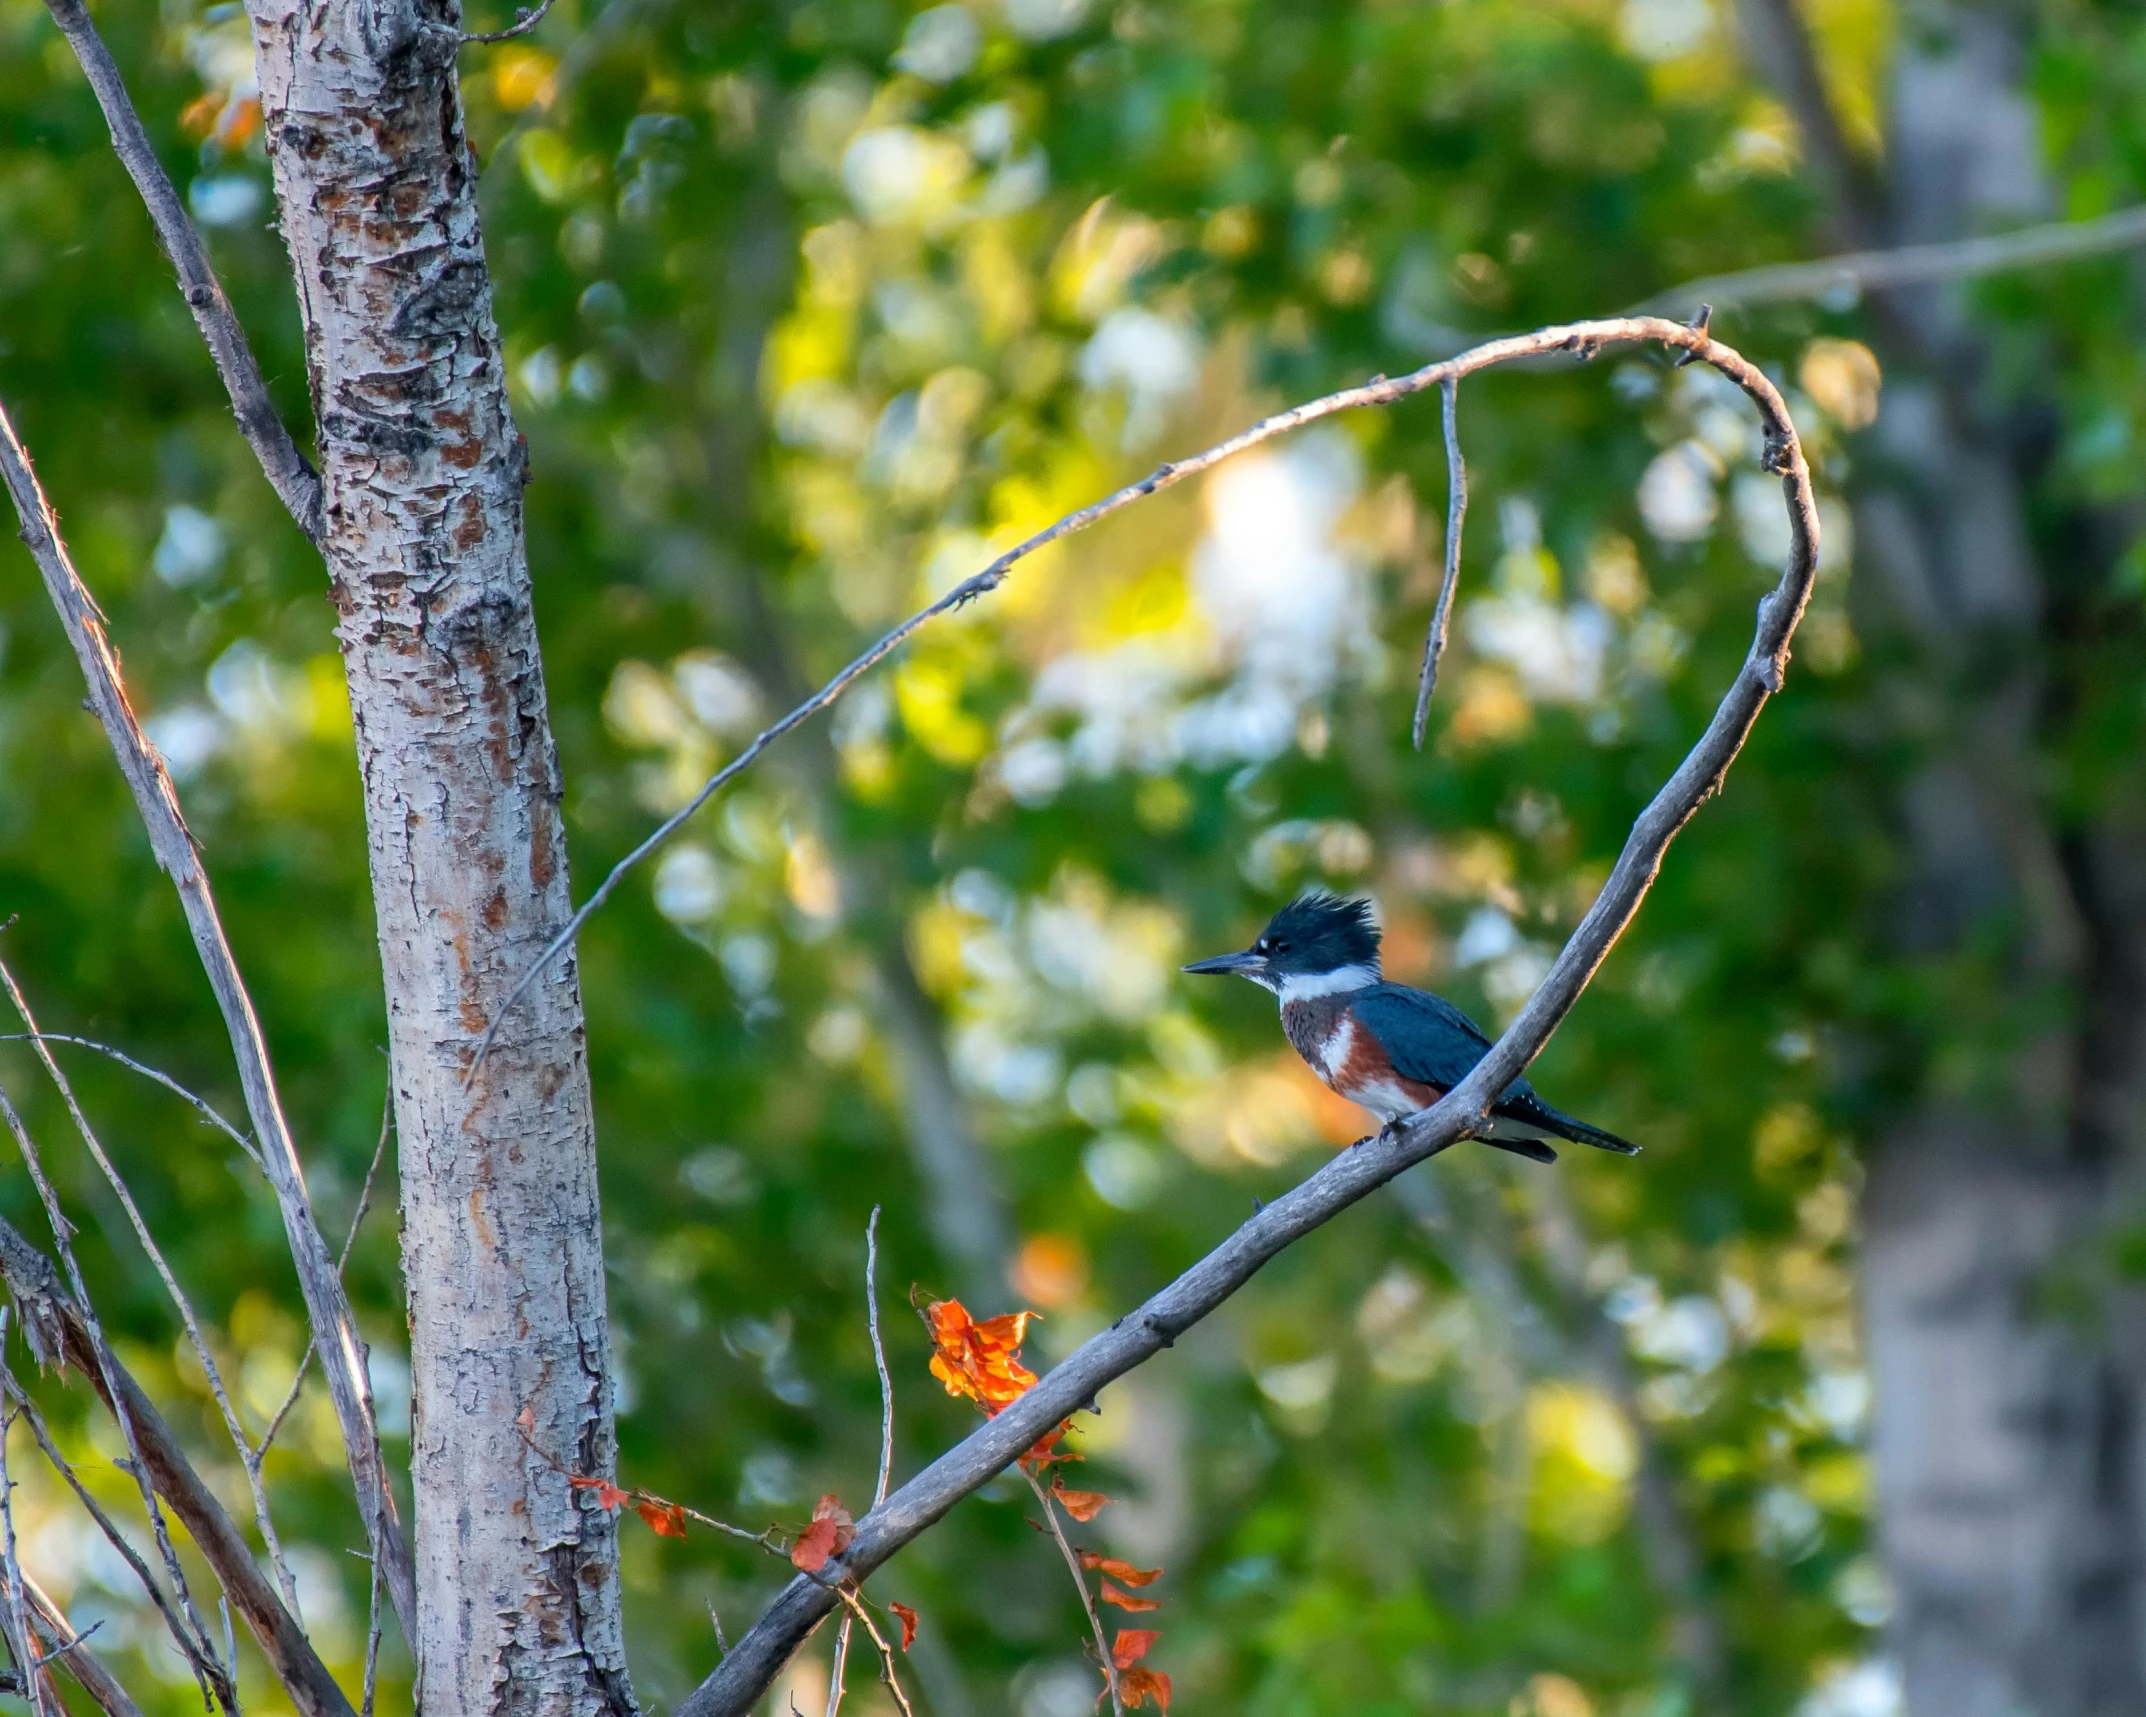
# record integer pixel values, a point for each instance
(752, 1664)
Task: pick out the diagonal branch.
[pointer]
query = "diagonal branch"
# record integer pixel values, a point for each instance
(72, 1650)
(334, 1328)
(296, 484)
(745, 1673)
(59, 1331)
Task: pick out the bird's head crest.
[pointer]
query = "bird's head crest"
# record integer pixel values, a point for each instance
(1320, 932)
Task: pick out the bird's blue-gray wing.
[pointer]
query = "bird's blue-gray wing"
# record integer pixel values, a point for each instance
(1428, 1037)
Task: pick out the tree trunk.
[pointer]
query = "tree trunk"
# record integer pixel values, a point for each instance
(2004, 1445)
(422, 471)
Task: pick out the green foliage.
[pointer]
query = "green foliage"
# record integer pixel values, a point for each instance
(809, 309)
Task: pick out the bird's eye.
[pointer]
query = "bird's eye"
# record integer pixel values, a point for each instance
(1279, 948)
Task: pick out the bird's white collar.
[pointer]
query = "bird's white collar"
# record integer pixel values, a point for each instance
(1309, 986)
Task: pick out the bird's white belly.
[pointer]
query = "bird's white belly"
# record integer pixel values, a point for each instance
(1385, 1097)
(1382, 1097)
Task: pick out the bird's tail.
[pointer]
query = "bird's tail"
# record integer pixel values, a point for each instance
(1533, 1109)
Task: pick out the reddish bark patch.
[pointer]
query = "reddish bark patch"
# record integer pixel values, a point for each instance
(472, 530)
(543, 862)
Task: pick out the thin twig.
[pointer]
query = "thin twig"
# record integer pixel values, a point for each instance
(1906, 265)
(1580, 339)
(342, 1262)
(60, 1332)
(20, 1641)
(327, 1307)
(372, 1631)
(296, 483)
(71, 1650)
(261, 1516)
(524, 21)
(1434, 643)
(105, 1523)
(1080, 1584)
(170, 1084)
(196, 1645)
(886, 1438)
(859, 1612)
(738, 1682)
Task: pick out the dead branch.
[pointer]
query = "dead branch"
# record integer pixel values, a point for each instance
(1434, 643)
(525, 20)
(94, 1509)
(60, 1332)
(1906, 265)
(861, 1613)
(1080, 1585)
(193, 1639)
(334, 1328)
(71, 1650)
(262, 1518)
(745, 1673)
(886, 1455)
(296, 484)
(21, 1643)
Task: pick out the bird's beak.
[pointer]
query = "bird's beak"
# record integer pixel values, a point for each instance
(1224, 965)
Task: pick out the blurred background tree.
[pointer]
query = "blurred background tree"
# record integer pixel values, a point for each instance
(812, 306)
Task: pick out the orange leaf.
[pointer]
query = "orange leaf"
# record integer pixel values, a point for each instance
(665, 1519)
(1046, 1450)
(1082, 1505)
(608, 1495)
(979, 1360)
(828, 1535)
(1126, 1601)
(1138, 1686)
(1097, 1563)
(909, 1624)
(1131, 1645)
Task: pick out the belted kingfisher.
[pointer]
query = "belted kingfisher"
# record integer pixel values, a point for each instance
(1392, 1049)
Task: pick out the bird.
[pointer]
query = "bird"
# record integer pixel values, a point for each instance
(1386, 1047)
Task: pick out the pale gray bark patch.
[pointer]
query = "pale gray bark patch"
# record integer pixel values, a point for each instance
(2000, 1446)
(422, 473)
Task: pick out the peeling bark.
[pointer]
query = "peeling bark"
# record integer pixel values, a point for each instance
(422, 473)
